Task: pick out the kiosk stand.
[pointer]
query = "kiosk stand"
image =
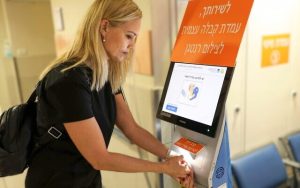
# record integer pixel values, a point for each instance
(194, 99)
(197, 84)
(208, 165)
(211, 163)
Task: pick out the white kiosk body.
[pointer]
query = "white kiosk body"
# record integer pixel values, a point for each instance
(194, 99)
(205, 160)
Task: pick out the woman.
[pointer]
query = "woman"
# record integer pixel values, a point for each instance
(81, 91)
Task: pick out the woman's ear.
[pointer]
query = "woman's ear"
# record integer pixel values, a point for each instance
(103, 27)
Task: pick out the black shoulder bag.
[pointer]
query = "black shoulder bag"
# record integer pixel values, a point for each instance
(18, 125)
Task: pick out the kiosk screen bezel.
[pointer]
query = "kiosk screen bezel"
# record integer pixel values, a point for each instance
(199, 127)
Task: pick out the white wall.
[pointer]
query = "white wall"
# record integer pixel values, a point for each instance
(235, 105)
(268, 104)
(4, 97)
(73, 12)
(31, 32)
(293, 119)
(31, 28)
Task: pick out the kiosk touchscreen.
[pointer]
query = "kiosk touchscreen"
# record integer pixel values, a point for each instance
(194, 95)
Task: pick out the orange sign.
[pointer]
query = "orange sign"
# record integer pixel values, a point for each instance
(188, 145)
(275, 50)
(211, 32)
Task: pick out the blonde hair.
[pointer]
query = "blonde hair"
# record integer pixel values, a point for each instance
(88, 46)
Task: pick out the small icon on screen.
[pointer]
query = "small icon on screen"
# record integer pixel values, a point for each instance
(171, 108)
(191, 93)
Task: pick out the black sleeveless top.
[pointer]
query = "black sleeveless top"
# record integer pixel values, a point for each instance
(67, 97)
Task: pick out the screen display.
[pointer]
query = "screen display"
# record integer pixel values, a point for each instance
(194, 91)
(192, 95)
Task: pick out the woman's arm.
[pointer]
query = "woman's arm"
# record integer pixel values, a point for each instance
(88, 138)
(134, 132)
(143, 138)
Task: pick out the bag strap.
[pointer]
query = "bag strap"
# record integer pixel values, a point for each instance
(33, 95)
(51, 135)
(54, 132)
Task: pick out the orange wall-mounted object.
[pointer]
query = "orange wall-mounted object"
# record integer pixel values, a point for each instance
(211, 32)
(275, 50)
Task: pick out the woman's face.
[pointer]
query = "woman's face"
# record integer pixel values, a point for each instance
(119, 40)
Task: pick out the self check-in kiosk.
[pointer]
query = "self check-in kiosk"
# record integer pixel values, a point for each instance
(193, 98)
(197, 84)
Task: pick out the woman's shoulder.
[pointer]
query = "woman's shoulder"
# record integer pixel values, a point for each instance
(60, 75)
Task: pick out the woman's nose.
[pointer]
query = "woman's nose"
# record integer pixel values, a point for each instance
(131, 45)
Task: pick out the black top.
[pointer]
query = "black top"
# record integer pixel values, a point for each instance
(67, 97)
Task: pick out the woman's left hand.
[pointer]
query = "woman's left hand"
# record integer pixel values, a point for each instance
(188, 181)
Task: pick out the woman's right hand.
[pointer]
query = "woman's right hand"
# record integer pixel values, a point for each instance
(175, 167)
